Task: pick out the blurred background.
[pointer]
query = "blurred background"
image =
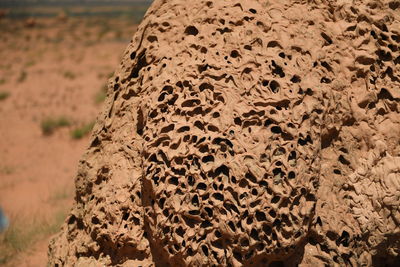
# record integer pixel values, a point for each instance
(56, 57)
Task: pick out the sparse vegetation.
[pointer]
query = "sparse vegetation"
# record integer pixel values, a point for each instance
(24, 232)
(30, 63)
(6, 169)
(49, 125)
(4, 95)
(107, 75)
(69, 75)
(101, 95)
(22, 76)
(80, 132)
(61, 194)
(28, 53)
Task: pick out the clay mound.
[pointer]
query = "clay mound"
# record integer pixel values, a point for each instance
(246, 133)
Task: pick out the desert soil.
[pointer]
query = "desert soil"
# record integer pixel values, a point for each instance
(50, 69)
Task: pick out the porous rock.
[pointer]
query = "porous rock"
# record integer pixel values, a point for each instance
(246, 133)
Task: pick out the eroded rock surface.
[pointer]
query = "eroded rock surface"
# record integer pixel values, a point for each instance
(246, 133)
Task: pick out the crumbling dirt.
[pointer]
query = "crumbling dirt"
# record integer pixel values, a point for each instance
(246, 133)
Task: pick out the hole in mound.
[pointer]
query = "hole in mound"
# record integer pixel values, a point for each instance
(201, 186)
(72, 219)
(343, 239)
(209, 211)
(95, 220)
(173, 180)
(224, 30)
(273, 44)
(394, 5)
(384, 94)
(276, 129)
(217, 234)
(336, 171)
(251, 177)
(325, 80)
(254, 234)
(140, 122)
(260, 216)
(327, 66)
(195, 200)
(267, 229)
(205, 86)
(326, 38)
(218, 196)
(206, 224)
(295, 79)
(194, 212)
(252, 10)
(304, 142)
(191, 30)
(274, 85)
(237, 256)
(277, 70)
(152, 38)
(237, 121)
(249, 255)
(268, 122)
(235, 54)
(244, 242)
(190, 252)
(276, 223)
(272, 213)
(141, 63)
(190, 103)
(275, 199)
(232, 226)
(343, 160)
(183, 129)
(204, 248)
(212, 128)
(209, 158)
(125, 216)
(167, 129)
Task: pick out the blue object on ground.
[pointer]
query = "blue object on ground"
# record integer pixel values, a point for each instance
(3, 221)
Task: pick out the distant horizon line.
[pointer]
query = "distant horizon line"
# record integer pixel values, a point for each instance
(67, 3)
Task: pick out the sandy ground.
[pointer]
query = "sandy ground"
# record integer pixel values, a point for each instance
(54, 69)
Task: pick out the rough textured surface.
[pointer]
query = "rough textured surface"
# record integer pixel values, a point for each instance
(246, 133)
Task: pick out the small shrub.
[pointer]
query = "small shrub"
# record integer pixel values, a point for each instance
(22, 76)
(51, 124)
(61, 194)
(30, 63)
(4, 95)
(101, 95)
(80, 132)
(6, 169)
(69, 75)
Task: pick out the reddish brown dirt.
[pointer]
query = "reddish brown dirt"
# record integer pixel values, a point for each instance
(54, 69)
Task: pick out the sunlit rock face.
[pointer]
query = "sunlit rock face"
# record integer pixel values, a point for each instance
(246, 133)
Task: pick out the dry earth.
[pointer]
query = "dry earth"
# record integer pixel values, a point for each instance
(52, 71)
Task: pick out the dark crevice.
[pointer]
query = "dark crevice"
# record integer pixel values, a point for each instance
(140, 64)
